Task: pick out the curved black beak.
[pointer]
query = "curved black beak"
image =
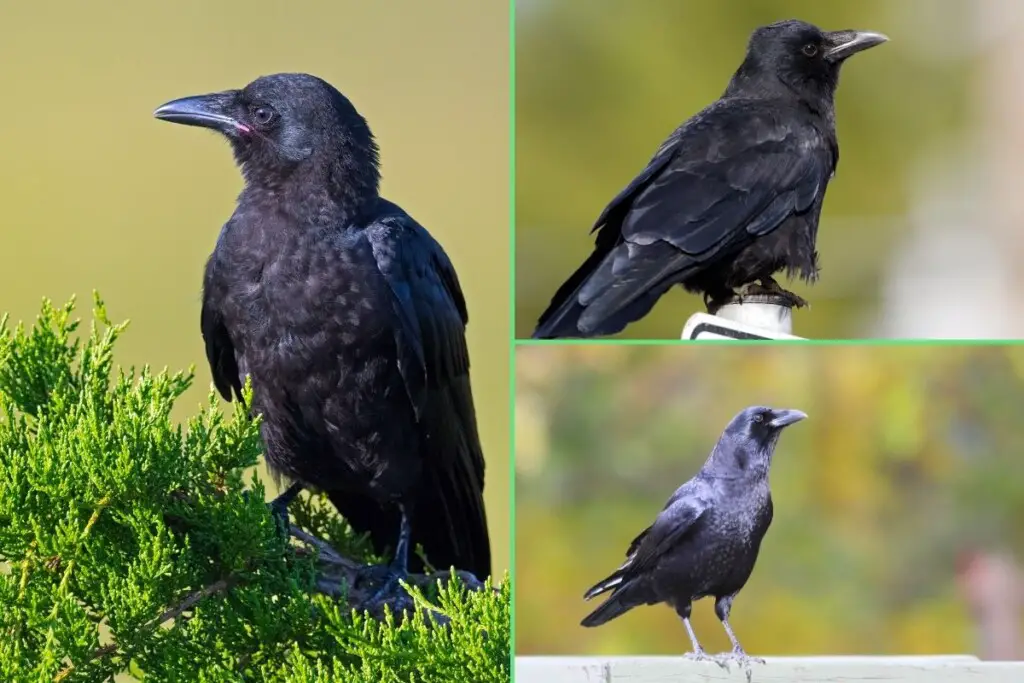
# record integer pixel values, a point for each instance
(847, 43)
(784, 418)
(206, 111)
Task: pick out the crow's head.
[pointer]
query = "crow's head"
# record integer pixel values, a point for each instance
(285, 123)
(748, 442)
(763, 425)
(802, 56)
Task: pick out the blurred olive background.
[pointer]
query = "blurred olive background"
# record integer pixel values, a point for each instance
(898, 503)
(98, 194)
(921, 229)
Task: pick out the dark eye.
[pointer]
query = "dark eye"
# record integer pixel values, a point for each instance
(263, 115)
(810, 49)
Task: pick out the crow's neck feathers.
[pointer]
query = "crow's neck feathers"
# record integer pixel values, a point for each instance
(739, 457)
(756, 80)
(339, 180)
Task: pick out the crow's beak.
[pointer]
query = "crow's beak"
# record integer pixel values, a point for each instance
(847, 43)
(784, 418)
(207, 111)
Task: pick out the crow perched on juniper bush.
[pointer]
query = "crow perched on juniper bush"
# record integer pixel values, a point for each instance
(349, 318)
(706, 539)
(732, 197)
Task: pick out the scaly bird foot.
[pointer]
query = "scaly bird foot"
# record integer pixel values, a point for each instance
(772, 289)
(740, 657)
(387, 580)
(702, 656)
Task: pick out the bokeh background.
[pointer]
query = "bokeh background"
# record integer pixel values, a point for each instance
(98, 194)
(898, 503)
(922, 227)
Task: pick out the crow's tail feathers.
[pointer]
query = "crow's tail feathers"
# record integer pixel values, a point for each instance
(610, 609)
(561, 319)
(622, 599)
(446, 507)
(450, 519)
(615, 606)
(451, 523)
(605, 585)
(612, 289)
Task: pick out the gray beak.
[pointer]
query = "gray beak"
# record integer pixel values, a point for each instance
(784, 418)
(206, 111)
(847, 43)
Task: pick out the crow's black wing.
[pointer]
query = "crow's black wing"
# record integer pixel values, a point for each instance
(624, 199)
(220, 352)
(737, 172)
(732, 173)
(678, 518)
(434, 361)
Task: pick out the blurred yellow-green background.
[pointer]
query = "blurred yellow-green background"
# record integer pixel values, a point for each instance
(898, 503)
(98, 194)
(920, 234)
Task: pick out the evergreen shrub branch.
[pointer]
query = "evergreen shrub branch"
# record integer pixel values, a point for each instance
(128, 543)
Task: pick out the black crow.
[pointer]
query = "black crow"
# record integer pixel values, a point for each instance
(732, 197)
(706, 539)
(349, 319)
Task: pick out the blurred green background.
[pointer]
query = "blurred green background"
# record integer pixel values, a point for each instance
(897, 503)
(98, 194)
(601, 83)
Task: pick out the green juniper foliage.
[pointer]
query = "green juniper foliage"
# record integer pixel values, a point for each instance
(127, 544)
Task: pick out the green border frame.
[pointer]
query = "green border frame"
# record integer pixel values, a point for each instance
(512, 331)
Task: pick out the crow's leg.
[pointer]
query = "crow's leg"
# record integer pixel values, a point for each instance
(769, 287)
(398, 570)
(279, 506)
(400, 563)
(723, 606)
(697, 654)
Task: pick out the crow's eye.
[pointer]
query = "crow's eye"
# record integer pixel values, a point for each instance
(759, 417)
(810, 49)
(263, 115)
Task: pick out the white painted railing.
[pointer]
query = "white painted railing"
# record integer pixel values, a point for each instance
(941, 669)
(760, 317)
